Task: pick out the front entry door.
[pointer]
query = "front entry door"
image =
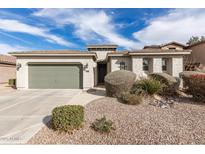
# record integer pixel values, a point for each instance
(102, 71)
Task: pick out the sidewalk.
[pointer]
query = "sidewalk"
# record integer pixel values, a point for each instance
(88, 96)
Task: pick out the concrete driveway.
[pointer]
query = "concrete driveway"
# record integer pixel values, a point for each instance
(22, 113)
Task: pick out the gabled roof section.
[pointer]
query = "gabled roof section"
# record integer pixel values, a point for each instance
(173, 43)
(4, 59)
(164, 45)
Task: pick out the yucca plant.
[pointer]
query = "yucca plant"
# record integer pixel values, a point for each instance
(148, 86)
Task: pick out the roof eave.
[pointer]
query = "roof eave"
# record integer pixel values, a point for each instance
(160, 53)
(53, 55)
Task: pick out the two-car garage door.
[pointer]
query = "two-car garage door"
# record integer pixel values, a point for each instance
(55, 76)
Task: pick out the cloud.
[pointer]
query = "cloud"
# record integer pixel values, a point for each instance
(15, 37)
(17, 26)
(88, 24)
(177, 25)
(5, 48)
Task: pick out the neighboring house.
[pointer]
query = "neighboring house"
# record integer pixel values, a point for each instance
(7, 68)
(197, 56)
(76, 69)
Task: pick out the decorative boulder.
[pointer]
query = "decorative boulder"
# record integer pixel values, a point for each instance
(195, 83)
(171, 84)
(118, 82)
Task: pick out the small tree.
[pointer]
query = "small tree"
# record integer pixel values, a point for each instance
(195, 39)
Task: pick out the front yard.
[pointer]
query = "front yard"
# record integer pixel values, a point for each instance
(183, 123)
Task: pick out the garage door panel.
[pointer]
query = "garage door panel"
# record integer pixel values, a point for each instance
(55, 76)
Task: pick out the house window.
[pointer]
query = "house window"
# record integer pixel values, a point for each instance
(146, 64)
(164, 64)
(122, 65)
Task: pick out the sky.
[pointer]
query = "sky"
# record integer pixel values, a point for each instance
(56, 29)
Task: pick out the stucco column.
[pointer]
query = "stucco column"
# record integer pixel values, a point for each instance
(137, 66)
(177, 66)
(157, 65)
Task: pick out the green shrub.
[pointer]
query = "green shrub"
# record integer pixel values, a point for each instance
(148, 86)
(68, 117)
(131, 99)
(118, 82)
(195, 83)
(102, 125)
(12, 82)
(170, 83)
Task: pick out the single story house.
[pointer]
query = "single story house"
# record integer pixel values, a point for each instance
(7, 68)
(86, 69)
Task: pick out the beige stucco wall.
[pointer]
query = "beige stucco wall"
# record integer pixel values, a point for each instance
(197, 54)
(115, 63)
(101, 54)
(133, 63)
(7, 72)
(174, 66)
(88, 73)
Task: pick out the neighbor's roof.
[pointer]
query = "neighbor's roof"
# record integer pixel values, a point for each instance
(195, 44)
(162, 45)
(102, 46)
(4, 59)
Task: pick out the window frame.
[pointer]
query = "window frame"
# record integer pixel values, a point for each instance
(165, 64)
(148, 64)
(122, 65)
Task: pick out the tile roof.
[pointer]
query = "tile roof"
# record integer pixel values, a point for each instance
(51, 52)
(4, 59)
(152, 46)
(157, 51)
(102, 46)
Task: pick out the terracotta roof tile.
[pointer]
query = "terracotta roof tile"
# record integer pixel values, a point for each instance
(7, 59)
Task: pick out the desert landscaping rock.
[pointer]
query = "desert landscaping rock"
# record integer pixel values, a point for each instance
(135, 124)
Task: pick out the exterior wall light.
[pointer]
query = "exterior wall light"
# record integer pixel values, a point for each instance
(18, 66)
(85, 66)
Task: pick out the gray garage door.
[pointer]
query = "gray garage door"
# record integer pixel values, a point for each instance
(55, 76)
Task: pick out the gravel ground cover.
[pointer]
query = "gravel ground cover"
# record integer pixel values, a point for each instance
(184, 123)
